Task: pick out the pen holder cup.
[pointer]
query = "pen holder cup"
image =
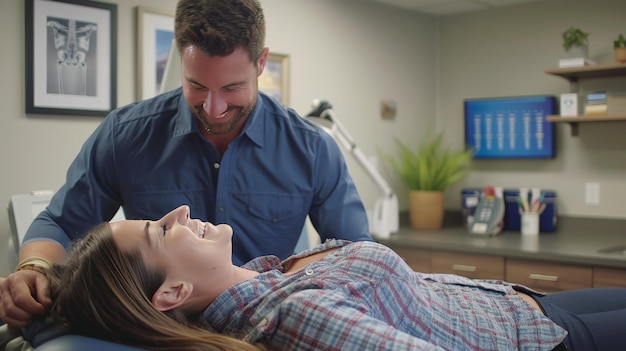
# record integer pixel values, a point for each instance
(530, 223)
(512, 213)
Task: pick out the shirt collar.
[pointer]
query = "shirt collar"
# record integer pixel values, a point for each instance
(267, 263)
(187, 123)
(254, 125)
(185, 120)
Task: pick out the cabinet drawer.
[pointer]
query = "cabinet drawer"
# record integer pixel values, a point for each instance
(417, 259)
(468, 265)
(548, 276)
(609, 277)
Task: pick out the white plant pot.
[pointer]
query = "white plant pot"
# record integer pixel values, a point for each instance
(578, 51)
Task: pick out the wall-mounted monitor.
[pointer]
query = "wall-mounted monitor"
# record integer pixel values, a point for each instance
(511, 127)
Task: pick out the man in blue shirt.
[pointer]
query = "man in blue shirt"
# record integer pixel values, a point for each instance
(233, 154)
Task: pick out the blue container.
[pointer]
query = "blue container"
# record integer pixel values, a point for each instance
(512, 215)
(470, 197)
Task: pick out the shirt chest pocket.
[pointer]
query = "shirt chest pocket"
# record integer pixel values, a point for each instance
(272, 207)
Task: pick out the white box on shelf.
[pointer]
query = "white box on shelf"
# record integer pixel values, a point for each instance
(575, 62)
(569, 105)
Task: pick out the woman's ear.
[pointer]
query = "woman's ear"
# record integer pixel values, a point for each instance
(171, 295)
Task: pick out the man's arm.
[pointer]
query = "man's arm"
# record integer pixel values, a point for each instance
(51, 251)
(78, 205)
(337, 210)
(25, 294)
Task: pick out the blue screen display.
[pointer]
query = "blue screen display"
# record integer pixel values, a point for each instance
(511, 127)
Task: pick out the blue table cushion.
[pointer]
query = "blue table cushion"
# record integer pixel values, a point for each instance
(44, 335)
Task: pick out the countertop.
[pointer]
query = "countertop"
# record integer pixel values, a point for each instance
(576, 241)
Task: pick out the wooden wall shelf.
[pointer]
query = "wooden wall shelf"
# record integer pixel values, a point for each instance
(575, 120)
(573, 75)
(592, 71)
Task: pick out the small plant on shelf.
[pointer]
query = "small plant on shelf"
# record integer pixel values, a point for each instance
(574, 38)
(620, 42)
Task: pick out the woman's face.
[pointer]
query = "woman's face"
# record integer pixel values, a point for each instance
(187, 249)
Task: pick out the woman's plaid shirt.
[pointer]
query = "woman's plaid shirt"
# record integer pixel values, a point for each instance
(363, 296)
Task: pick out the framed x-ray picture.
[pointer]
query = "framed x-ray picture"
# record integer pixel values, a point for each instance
(70, 57)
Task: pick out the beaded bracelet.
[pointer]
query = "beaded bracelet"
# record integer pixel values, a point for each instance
(32, 267)
(36, 264)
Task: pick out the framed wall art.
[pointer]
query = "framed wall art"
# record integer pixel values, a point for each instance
(71, 66)
(155, 37)
(274, 80)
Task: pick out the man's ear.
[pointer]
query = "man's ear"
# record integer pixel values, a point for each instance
(262, 61)
(171, 295)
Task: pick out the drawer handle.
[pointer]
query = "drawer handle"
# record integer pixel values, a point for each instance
(549, 278)
(463, 268)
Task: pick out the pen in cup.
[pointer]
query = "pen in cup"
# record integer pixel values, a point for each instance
(536, 203)
(523, 198)
(535, 199)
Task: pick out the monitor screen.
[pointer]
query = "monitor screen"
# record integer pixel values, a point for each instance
(510, 127)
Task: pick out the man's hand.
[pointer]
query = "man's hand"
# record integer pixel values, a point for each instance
(23, 295)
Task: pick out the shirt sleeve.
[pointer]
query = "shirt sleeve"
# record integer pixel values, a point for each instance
(326, 320)
(337, 211)
(88, 196)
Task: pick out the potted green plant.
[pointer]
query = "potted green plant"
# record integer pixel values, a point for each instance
(619, 45)
(428, 170)
(575, 42)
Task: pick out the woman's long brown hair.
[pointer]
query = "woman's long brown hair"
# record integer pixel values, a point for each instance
(105, 293)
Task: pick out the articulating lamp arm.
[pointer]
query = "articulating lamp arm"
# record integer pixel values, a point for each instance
(384, 219)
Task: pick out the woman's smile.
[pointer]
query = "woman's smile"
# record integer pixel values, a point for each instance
(201, 230)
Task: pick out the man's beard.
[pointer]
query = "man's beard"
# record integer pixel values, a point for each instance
(240, 114)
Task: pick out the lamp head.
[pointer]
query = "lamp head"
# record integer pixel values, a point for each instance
(319, 106)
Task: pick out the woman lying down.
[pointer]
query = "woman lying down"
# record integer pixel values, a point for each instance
(170, 285)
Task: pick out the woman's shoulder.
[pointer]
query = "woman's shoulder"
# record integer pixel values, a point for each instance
(368, 250)
(337, 243)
